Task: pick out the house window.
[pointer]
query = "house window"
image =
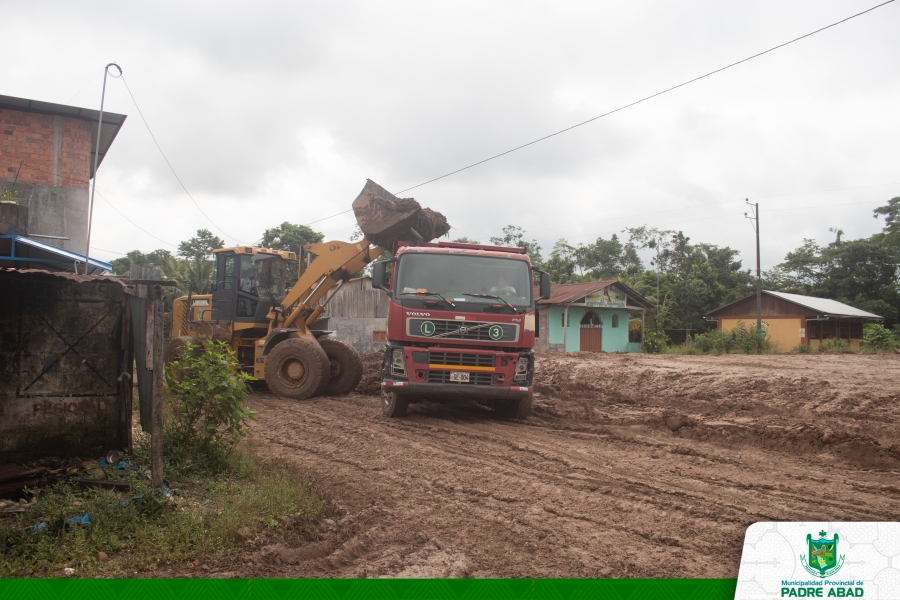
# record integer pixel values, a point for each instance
(615, 320)
(635, 331)
(856, 331)
(845, 330)
(813, 328)
(563, 320)
(590, 320)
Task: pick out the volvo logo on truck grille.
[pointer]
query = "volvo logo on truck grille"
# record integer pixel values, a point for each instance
(453, 330)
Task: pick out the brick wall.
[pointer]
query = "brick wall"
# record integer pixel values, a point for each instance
(56, 150)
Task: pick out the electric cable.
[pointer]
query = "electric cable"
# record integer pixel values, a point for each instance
(675, 87)
(170, 164)
(133, 223)
(100, 72)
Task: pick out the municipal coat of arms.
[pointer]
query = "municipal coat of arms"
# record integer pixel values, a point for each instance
(823, 555)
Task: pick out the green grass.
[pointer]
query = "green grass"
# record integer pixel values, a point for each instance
(149, 533)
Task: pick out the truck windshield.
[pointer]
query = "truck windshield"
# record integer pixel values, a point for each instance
(455, 276)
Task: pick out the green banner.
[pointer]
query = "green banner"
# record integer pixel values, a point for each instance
(359, 589)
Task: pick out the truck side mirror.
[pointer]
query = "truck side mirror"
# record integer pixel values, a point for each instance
(545, 286)
(378, 274)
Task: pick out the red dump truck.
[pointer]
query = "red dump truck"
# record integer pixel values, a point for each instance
(461, 326)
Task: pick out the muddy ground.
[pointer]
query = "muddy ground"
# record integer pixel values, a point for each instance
(631, 466)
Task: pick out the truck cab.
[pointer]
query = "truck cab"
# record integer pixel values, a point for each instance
(461, 325)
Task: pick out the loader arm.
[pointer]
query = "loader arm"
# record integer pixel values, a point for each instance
(335, 262)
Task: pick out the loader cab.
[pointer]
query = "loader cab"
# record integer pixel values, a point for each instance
(249, 281)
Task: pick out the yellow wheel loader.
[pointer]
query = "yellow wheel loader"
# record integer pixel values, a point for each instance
(269, 327)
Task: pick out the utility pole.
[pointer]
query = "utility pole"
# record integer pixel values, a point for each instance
(87, 250)
(754, 220)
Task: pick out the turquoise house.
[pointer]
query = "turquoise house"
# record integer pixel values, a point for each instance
(597, 316)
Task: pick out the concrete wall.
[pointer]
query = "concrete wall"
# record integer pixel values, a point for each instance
(367, 335)
(784, 332)
(613, 339)
(51, 155)
(58, 211)
(62, 349)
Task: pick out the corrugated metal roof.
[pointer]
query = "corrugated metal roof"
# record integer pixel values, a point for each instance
(566, 293)
(112, 122)
(71, 276)
(825, 306)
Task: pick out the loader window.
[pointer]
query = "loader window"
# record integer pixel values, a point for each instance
(226, 274)
(270, 271)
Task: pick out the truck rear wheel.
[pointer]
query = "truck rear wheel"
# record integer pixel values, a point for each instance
(345, 367)
(393, 404)
(295, 368)
(514, 409)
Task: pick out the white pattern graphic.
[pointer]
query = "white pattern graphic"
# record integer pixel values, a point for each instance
(772, 563)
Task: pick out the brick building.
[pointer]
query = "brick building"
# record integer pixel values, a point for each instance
(47, 158)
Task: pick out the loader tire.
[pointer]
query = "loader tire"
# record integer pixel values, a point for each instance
(295, 368)
(345, 367)
(514, 409)
(174, 346)
(393, 405)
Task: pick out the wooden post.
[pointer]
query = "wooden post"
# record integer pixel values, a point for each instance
(154, 362)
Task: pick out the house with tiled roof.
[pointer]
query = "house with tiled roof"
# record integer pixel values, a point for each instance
(595, 316)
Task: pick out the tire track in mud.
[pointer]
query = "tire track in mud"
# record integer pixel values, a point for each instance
(595, 484)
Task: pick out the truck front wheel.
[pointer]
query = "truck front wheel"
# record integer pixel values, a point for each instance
(514, 409)
(393, 404)
(345, 368)
(295, 368)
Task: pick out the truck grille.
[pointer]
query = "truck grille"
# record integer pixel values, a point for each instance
(456, 359)
(462, 330)
(474, 378)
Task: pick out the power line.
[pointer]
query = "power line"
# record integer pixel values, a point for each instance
(808, 207)
(85, 86)
(822, 191)
(170, 164)
(329, 217)
(133, 223)
(546, 137)
(716, 204)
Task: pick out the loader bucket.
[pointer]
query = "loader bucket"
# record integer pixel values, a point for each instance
(384, 218)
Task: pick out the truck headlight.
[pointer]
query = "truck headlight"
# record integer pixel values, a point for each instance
(398, 362)
(521, 369)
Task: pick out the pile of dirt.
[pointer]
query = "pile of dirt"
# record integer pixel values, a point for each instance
(432, 224)
(384, 218)
(805, 405)
(371, 380)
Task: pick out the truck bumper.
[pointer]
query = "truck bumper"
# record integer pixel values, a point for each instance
(456, 391)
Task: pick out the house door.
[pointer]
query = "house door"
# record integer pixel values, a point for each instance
(591, 332)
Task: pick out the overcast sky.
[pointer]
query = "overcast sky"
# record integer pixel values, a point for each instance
(273, 112)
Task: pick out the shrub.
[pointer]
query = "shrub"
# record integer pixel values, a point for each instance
(876, 337)
(835, 345)
(208, 417)
(740, 340)
(802, 349)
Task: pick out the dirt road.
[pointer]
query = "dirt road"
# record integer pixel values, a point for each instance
(631, 466)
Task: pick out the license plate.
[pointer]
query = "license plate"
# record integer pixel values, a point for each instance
(461, 377)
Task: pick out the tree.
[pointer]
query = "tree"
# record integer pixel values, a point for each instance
(861, 273)
(291, 238)
(202, 245)
(465, 240)
(515, 236)
(562, 262)
(155, 260)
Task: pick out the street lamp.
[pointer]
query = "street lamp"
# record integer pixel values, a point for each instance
(87, 250)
